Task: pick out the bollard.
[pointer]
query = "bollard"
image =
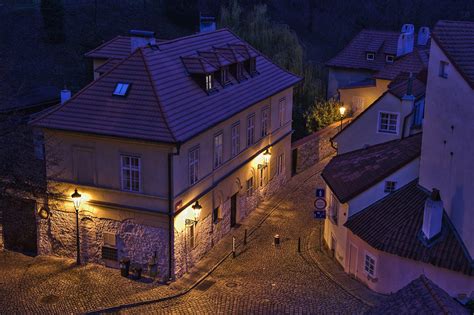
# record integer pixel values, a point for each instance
(233, 247)
(245, 237)
(299, 244)
(276, 240)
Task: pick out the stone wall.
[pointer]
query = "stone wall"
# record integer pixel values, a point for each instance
(57, 236)
(316, 147)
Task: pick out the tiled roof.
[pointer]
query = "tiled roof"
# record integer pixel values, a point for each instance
(399, 86)
(109, 64)
(351, 173)
(164, 103)
(393, 225)
(118, 48)
(421, 296)
(353, 56)
(216, 59)
(456, 39)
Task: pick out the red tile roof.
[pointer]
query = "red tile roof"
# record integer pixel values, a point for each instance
(164, 103)
(456, 39)
(353, 56)
(421, 296)
(352, 173)
(393, 225)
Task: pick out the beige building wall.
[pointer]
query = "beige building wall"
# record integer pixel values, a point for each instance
(363, 131)
(448, 148)
(338, 77)
(358, 99)
(394, 272)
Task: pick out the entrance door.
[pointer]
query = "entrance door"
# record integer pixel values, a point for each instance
(233, 210)
(353, 252)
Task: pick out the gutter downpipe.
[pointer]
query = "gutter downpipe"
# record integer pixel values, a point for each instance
(171, 211)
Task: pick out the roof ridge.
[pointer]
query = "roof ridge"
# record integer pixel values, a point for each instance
(103, 45)
(177, 39)
(160, 107)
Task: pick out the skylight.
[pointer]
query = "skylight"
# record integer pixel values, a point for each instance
(121, 89)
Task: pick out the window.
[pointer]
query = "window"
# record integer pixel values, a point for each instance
(265, 121)
(253, 65)
(443, 69)
(369, 264)
(209, 82)
(264, 175)
(280, 164)
(191, 236)
(370, 56)
(334, 209)
(215, 215)
(282, 111)
(240, 71)
(121, 89)
(235, 139)
(389, 58)
(193, 166)
(218, 150)
(250, 130)
(224, 75)
(419, 114)
(250, 187)
(390, 186)
(131, 173)
(388, 122)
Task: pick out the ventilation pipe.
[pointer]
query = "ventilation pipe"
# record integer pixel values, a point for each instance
(423, 36)
(65, 95)
(433, 215)
(141, 38)
(406, 40)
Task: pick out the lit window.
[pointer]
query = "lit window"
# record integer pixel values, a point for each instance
(121, 89)
(131, 173)
(282, 111)
(388, 122)
(235, 139)
(390, 186)
(250, 186)
(369, 264)
(265, 121)
(218, 150)
(443, 69)
(250, 130)
(370, 56)
(280, 164)
(193, 166)
(209, 82)
(389, 58)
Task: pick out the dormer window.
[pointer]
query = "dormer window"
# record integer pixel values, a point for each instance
(209, 85)
(240, 71)
(370, 56)
(389, 58)
(121, 89)
(251, 66)
(224, 76)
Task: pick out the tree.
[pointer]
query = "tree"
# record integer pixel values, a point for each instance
(321, 114)
(53, 20)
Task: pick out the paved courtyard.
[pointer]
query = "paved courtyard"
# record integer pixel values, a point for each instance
(261, 279)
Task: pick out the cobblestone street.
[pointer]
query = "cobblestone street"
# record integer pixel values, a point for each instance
(261, 279)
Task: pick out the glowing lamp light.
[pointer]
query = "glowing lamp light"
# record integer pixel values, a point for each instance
(196, 210)
(342, 110)
(76, 199)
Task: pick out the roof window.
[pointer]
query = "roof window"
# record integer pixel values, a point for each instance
(121, 89)
(389, 58)
(370, 56)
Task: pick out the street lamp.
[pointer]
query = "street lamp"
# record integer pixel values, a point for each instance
(76, 199)
(342, 110)
(196, 213)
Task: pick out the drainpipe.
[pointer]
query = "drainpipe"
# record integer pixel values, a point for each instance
(171, 210)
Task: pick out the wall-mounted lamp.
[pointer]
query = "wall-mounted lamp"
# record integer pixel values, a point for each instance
(196, 213)
(266, 157)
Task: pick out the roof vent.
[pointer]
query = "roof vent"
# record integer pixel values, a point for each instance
(141, 38)
(406, 40)
(207, 24)
(65, 96)
(433, 215)
(423, 35)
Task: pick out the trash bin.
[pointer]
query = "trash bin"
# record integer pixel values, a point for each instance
(137, 272)
(276, 239)
(124, 267)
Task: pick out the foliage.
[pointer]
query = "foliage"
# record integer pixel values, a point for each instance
(322, 113)
(53, 20)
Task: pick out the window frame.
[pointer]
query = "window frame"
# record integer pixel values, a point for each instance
(389, 58)
(250, 186)
(225, 76)
(368, 272)
(124, 168)
(127, 89)
(192, 236)
(193, 165)
(387, 131)
(208, 82)
(235, 139)
(367, 54)
(218, 156)
(265, 121)
(282, 111)
(443, 67)
(251, 130)
(390, 186)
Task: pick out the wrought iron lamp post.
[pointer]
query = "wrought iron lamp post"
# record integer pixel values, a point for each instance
(76, 199)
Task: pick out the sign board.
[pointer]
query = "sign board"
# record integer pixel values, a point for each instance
(320, 193)
(320, 204)
(320, 214)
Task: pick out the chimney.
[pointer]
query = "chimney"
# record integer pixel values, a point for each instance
(65, 95)
(207, 24)
(141, 38)
(423, 36)
(433, 215)
(406, 40)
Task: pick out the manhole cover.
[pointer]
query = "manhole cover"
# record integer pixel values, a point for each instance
(231, 284)
(49, 299)
(206, 284)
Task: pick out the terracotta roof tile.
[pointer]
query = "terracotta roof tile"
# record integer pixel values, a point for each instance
(119, 47)
(456, 39)
(412, 62)
(393, 225)
(351, 173)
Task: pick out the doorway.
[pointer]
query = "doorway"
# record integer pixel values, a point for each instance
(353, 253)
(233, 210)
(294, 161)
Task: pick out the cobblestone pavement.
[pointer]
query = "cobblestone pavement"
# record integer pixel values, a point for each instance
(262, 278)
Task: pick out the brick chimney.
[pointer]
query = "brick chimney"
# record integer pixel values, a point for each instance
(406, 40)
(433, 215)
(141, 38)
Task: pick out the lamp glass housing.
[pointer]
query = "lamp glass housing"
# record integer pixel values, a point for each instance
(342, 110)
(76, 199)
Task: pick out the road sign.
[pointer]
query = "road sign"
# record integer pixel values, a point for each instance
(320, 204)
(320, 214)
(320, 193)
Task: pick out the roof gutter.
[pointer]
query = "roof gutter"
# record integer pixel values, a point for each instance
(171, 210)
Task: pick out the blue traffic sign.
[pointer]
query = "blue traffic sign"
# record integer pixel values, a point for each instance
(320, 192)
(320, 214)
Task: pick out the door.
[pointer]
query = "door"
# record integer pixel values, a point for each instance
(294, 161)
(353, 253)
(233, 210)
